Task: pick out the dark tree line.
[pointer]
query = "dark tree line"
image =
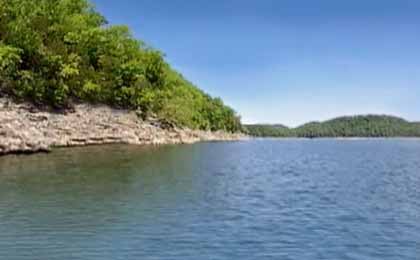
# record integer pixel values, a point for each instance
(354, 126)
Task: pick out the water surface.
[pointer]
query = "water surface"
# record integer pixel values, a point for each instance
(260, 199)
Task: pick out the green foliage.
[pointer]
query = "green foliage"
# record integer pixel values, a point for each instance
(55, 52)
(355, 126)
(265, 130)
(188, 106)
(9, 59)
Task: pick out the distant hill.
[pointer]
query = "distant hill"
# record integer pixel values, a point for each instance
(263, 130)
(347, 126)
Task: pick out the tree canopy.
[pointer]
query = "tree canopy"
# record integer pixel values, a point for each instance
(57, 52)
(350, 126)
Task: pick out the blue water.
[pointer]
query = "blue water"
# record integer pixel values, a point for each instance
(259, 199)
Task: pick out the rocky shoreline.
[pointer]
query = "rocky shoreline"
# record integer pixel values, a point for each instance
(25, 129)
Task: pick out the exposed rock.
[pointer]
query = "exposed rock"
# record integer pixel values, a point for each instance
(24, 129)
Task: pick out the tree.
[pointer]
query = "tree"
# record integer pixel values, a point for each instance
(55, 52)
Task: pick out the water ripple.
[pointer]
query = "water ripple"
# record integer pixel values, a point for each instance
(262, 199)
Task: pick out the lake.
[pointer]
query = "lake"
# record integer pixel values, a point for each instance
(257, 199)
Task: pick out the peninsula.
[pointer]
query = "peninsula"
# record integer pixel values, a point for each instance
(69, 78)
(346, 126)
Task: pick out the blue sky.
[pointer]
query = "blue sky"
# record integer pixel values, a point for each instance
(288, 61)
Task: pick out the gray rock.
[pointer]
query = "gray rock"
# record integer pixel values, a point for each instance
(24, 129)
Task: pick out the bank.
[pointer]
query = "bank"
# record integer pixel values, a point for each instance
(26, 129)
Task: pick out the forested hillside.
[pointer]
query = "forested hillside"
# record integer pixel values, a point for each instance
(267, 130)
(58, 52)
(354, 126)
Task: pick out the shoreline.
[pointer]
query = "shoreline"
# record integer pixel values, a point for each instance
(26, 130)
(339, 138)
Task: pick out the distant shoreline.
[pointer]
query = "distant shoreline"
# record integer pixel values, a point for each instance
(337, 138)
(358, 126)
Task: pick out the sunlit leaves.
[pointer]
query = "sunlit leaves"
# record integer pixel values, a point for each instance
(56, 51)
